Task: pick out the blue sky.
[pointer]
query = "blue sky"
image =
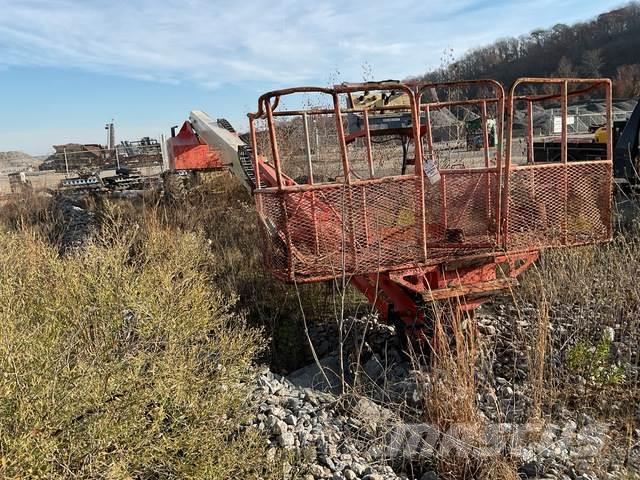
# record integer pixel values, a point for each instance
(69, 66)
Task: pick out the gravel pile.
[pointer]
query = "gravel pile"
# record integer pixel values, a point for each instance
(377, 431)
(329, 443)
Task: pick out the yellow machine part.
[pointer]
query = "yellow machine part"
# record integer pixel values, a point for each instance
(600, 136)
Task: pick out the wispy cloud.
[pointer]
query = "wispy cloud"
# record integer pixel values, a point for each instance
(214, 43)
(230, 51)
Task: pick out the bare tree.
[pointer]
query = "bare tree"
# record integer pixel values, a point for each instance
(565, 68)
(627, 81)
(592, 63)
(593, 48)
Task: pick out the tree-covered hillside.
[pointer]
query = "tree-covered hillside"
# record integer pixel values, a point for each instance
(608, 45)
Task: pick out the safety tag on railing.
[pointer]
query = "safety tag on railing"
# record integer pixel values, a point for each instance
(431, 171)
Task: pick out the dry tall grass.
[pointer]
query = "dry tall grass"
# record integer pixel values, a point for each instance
(122, 360)
(224, 213)
(587, 300)
(450, 399)
(452, 396)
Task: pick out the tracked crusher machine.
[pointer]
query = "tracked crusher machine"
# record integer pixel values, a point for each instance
(375, 187)
(188, 155)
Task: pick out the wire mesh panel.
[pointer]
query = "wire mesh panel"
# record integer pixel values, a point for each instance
(461, 214)
(561, 204)
(324, 232)
(353, 198)
(273, 222)
(562, 196)
(461, 208)
(471, 199)
(370, 226)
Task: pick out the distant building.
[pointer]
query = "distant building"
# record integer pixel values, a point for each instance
(90, 155)
(94, 156)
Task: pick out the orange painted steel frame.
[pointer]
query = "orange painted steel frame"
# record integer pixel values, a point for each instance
(470, 270)
(188, 152)
(605, 165)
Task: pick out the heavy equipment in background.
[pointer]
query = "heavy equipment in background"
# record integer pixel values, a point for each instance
(204, 145)
(624, 135)
(88, 181)
(600, 134)
(84, 182)
(410, 238)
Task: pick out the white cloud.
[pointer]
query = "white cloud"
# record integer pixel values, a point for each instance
(219, 42)
(259, 45)
(213, 43)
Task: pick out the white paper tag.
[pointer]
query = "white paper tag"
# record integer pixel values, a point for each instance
(431, 171)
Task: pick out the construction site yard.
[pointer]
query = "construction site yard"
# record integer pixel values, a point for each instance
(145, 321)
(259, 269)
(540, 384)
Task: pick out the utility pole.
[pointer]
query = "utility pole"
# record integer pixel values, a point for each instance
(66, 162)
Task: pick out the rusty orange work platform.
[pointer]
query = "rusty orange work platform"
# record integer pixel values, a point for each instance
(422, 190)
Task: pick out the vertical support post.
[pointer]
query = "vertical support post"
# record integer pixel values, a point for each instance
(530, 157)
(368, 142)
(507, 169)
(428, 134)
(414, 100)
(117, 157)
(485, 133)
(609, 120)
(485, 146)
(274, 143)
(564, 155)
(499, 164)
(316, 239)
(609, 107)
(563, 113)
(282, 195)
(347, 176)
(305, 123)
(341, 139)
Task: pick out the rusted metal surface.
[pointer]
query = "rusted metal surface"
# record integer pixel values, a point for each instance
(398, 235)
(562, 203)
